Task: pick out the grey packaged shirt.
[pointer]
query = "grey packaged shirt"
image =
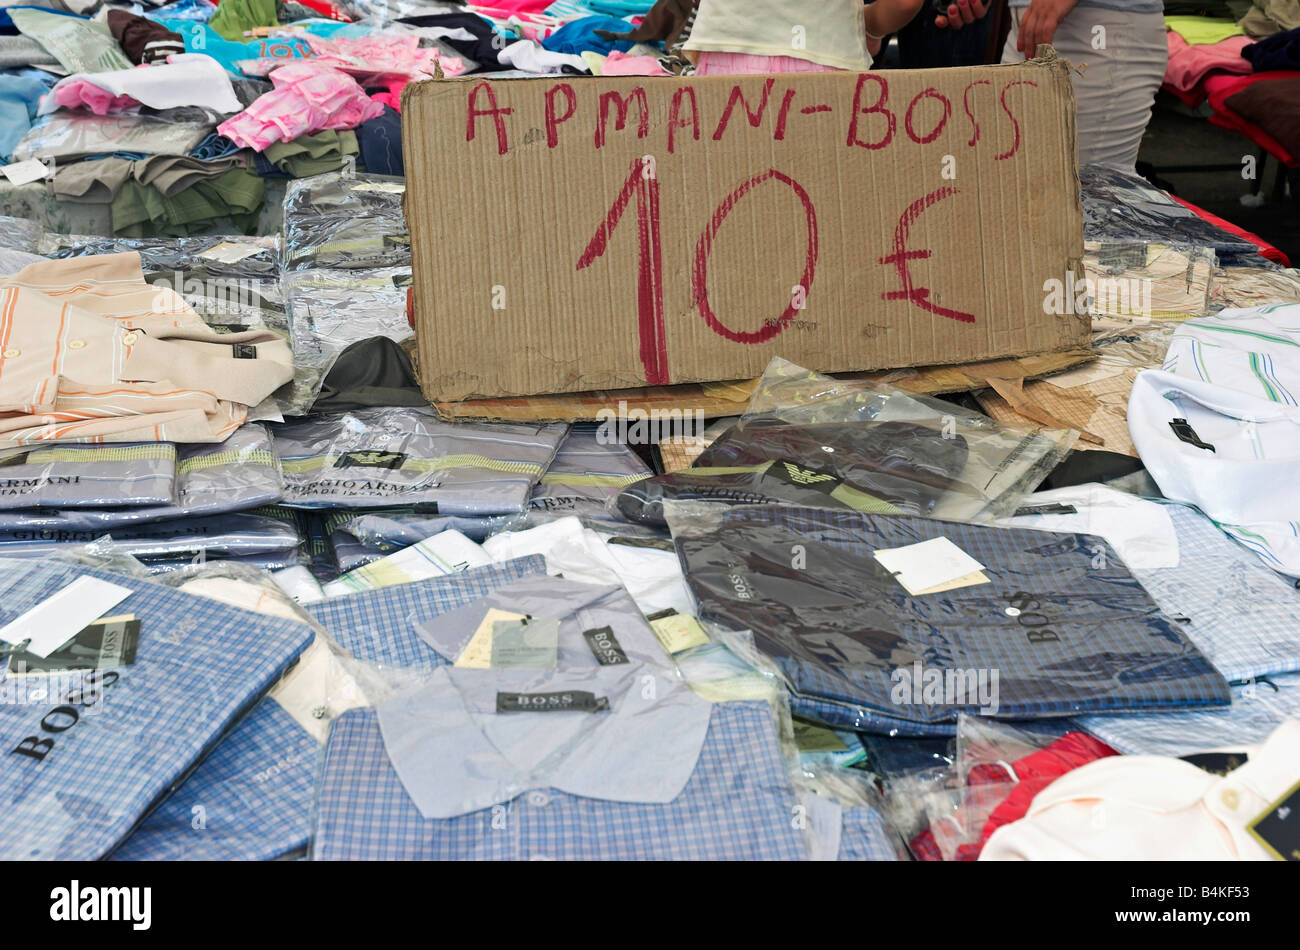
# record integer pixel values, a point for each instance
(234, 475)
(382, 457)
(78, 476)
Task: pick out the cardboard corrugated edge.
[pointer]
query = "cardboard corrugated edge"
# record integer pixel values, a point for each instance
(731, 398)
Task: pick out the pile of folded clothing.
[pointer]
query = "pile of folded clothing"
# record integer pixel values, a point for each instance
(310, 614)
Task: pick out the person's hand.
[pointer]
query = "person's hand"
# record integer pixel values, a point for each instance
(873, 46)
(1039, 23)
(962, 13)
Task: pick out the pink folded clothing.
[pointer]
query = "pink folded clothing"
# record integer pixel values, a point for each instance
(308, 97)
(385, 53)
(78, 93)
(1189, 64)
(622, 64)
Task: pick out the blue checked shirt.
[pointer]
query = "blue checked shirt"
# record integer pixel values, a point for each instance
(379, 625)
(247, 801)
(1257, 709)
(1243, 616)
(1081, 634)
(255, 788)
(666, 776)
(116, 748)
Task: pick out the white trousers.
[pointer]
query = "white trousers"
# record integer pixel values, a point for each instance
(1126, 54)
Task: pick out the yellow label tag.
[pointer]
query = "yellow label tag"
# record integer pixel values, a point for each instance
(678, 632)
(969, 580)
(477, 654)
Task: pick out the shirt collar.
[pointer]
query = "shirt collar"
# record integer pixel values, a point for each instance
(643, 748)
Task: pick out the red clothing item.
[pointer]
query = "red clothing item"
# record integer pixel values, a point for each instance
(1219, 87)
(1035, 771)
(1266, 250)
(924, 847)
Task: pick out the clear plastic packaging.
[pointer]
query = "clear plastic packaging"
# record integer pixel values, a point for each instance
(254, 791)
(586, 474)
(340, 220)
(88, 476)
(235, 475)
(1148, 281)
(197, 667)
(386, 530)
(1042, 628)
(1121, 206)
(660, 773)
(329, 309)
(374, 457)
(70, 135)
(231, 281)
(813, 440)
(21, 234)
(233, 535)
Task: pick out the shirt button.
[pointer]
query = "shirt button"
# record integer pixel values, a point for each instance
(12, 354)
(76, 344)
(130, 339)
(1230, 798)
(538, 857)
(539, 799)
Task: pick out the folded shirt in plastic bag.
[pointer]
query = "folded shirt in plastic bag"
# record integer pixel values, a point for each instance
(72, 135)
(587, 474)
(232, 535)
(885, 467)
(92, 757)
(234, 475)
(249, 799)
(97, 354)
(234, 255)
(1121, 206)
(376, 457)
(811, 439)
(1258, 707)
(232, 282)
(345, 221)
(646, 773)
(94, 476)
(1242, 616)
(269, 561)
(21, 234)
(1041, 628)
(385, 531)
(582, 611)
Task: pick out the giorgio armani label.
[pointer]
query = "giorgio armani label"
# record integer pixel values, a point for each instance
(371, 459)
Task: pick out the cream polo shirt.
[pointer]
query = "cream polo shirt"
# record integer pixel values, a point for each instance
(90, 352)
(1146, 807)
(829, 32)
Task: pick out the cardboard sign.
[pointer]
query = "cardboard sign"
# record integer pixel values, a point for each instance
(576, 234)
